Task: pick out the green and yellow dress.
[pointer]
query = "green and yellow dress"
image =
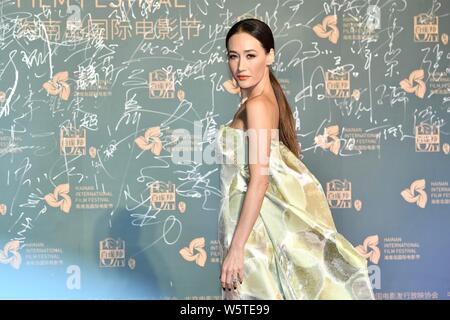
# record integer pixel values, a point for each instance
(294, 250)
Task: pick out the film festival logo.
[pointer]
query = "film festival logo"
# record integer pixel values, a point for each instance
(328, 29)
(426, 28)
(415, 83)
(112, 253)
(58, 85)
(427, 138)
(60, 198)
(10, 254)
(369, 250)
(150, 141)
(161, 85)
(72, 141)
(337, 84)
(103, 28)
(163, 196)
(416, 193)
(195, 252)
(339, 193)
(329, 140)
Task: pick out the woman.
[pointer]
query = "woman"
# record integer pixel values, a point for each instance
(276, 232)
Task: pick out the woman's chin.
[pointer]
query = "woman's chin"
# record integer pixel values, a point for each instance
(244, 86)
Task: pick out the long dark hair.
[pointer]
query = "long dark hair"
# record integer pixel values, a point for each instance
(263, 34)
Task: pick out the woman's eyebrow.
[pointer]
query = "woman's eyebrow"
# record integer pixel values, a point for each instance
(244, 50)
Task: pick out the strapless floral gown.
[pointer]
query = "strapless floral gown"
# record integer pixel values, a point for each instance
(294, 250)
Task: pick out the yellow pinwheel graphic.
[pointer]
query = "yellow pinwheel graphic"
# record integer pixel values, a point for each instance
(195, 252)
(410, 194)
(58, 85)
(415, 84)
(328, 29)
(150, 141)
(369, 249)
(231, 86)
(60, 198)
(10, 254)
(329, 140)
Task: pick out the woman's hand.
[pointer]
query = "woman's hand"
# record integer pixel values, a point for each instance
(233, 268)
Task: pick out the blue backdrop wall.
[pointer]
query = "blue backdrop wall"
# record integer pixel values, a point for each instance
(93, 201)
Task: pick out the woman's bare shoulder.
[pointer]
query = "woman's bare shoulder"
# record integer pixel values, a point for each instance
(261, 107)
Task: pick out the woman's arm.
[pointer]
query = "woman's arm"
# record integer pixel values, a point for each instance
(259, 123)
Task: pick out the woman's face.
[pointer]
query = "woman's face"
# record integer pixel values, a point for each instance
(246, 58)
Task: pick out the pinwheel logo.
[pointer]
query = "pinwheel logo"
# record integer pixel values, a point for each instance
(369, 249)
(415, 84)
(60, 198)
(416, 193)
(329, 140)
(195, 252)
(150, 141)
(10, 254)
(232, 87)
(328, 29)
(58, 85)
